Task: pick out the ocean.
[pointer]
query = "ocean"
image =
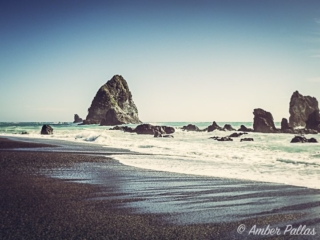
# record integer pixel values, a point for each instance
(269, 158)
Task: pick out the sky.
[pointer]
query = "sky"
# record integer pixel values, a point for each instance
(183, 60)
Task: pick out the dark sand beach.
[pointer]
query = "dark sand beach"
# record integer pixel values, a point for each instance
(51, 190)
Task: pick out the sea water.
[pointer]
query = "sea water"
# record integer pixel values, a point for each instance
(269, 158)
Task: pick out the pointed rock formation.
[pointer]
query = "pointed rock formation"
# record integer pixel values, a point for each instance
(300, 109)
(214, 126)
(113, 104)
(263, 121)
(46, 130)
(77, 119)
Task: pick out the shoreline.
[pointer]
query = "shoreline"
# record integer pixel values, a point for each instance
(56, 208)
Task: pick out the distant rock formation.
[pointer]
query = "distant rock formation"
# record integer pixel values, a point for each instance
(263, 121)
(113, 104)
(191, 127)
(313, 121)
(245, 129)
(77, 119)
(46, 130)
(228, 127)
(214, 126)
(300, 109)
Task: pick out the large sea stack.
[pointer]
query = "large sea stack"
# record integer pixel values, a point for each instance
(300, 109)
(263, 121)
(113, 104)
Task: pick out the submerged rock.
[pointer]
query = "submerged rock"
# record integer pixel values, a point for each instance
(300, 108)
(46, 130)
(168, 136)
(123, 128)
(263, 121)
(113, 104)
(246, 140)
(237, 134)
(221, 139)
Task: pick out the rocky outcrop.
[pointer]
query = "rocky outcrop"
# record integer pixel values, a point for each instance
(300, 109)
(150, 129)
(313, 121)
(191, 127)
(284, 124)
(46, 130)
(263, 121)
(245, 129)
(228, 127)
(77, 119)
(214, 126)
(113, 104)
(303, 139)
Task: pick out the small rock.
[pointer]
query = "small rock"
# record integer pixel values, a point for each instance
(46, 130)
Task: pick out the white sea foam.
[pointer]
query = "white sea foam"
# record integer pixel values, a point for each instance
(270, 158)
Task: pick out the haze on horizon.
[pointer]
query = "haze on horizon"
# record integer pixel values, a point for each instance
(183, 60)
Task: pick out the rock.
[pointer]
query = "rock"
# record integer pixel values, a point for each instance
(77, 119)
(245, 129)
(123, 128)
(157, 134)
(214, 126)
(115, 95)
(191, 127)
(313, 121)
(114, 117)
(284, 124)
(263, 121)
(150, 129)
(167, 136)
(312, 140)
(214, 138)
(24, 132)
(46, 130)
(221, 139)
(145, 129)
(303, 139)
(168, 130)
(246, 139)
(228, 127)
(237, 134)
(300, 109)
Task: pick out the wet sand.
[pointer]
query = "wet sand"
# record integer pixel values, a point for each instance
(45, 195)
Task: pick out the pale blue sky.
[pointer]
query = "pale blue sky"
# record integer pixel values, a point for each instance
(183, 60)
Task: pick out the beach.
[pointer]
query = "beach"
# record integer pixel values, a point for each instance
(51, 190)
